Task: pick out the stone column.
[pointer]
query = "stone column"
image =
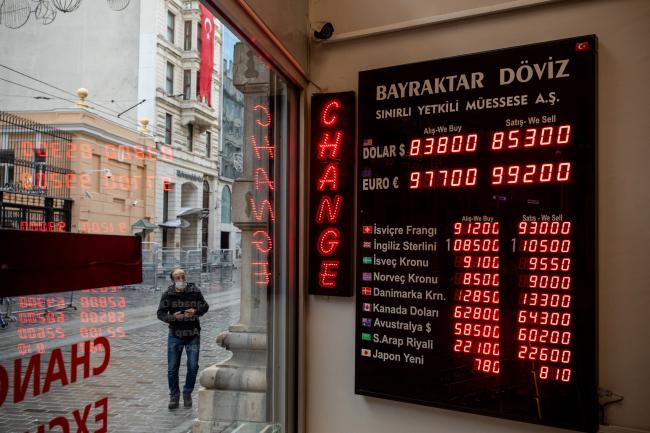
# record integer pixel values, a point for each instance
(235, 390)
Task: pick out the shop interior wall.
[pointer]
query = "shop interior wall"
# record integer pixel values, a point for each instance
(623, 29)
(288, 20)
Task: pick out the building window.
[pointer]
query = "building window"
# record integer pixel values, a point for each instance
(169, 79)
(187, 84)
(6, 167)
(225, 205)
(225, 240)
(165, 216)
(199, 30)
(208, 143)
(171, 26)
(168, 129)
(198, 86)
(190, 137)
(187, 38)
(166, 205)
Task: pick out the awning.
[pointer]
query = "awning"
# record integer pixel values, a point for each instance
(175, 224)
(193, 211)
(144, 225)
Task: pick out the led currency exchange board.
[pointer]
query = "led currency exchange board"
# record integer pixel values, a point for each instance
(476, 255)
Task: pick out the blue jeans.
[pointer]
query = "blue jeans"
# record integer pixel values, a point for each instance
(174, 352)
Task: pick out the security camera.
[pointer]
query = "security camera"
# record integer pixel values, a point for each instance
(108, 173)
(325, 32)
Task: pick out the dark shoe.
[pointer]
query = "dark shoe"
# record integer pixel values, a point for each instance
(187, 401)
(173, 403)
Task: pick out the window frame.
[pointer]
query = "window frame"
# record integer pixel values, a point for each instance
(199, 41)
(286, 392)
(169, 125)
(187, 35)
(190, 137)
(171, 26)
(187, 84)
(169, 78)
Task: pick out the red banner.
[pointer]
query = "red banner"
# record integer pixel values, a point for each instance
(207, 54)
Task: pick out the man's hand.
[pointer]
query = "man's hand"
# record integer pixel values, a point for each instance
(191, 312)
(179, 315)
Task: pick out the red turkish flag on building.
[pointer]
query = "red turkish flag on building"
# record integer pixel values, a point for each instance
(207, 54)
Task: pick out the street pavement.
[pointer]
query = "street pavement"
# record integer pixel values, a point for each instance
(135, 382)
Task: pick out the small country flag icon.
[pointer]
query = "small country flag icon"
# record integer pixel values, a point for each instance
(367, 307)
(365, 336)
(366, 276)
(367, 230)
(366, 172)
(367, 291)
(367, 244)
(582, 46)
(367, 322)
(367, 260)
(367, 142)
(365, 352)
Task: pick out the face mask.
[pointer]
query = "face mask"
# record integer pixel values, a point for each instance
(180, 284)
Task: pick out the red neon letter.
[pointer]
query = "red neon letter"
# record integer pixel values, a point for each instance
(266, 181)
(326, 278)
(264, 273)
(259, 213)
(325, 118)
(266, 112)
(269, 147)
(332, 209)
(328, 241)
(332, 147)
(166, 153)
(266, 240)
(330, 176)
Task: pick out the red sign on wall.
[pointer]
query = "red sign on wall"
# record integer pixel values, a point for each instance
(331, 186)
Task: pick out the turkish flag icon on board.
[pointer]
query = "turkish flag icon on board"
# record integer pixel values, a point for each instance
(582, 46)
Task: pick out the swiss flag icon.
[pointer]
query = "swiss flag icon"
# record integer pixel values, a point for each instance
(582, 46)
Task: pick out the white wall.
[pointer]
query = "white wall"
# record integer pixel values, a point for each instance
(287, 19)
(93, 47)
(623, 29)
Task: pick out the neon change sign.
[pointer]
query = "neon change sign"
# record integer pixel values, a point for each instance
(331, 194)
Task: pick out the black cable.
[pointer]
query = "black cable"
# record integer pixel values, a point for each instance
(57, 97)
(54, 87)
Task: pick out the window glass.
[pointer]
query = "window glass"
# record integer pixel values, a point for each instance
(225, 205)
(171, 26)
(187, 39)
(169, 79)
(187, 83)
(182, 268)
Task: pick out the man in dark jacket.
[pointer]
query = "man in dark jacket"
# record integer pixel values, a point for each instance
(181, 306)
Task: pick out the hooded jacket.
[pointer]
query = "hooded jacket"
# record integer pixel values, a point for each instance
(173, 301)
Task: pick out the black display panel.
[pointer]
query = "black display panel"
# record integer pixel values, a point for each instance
(476, 255)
